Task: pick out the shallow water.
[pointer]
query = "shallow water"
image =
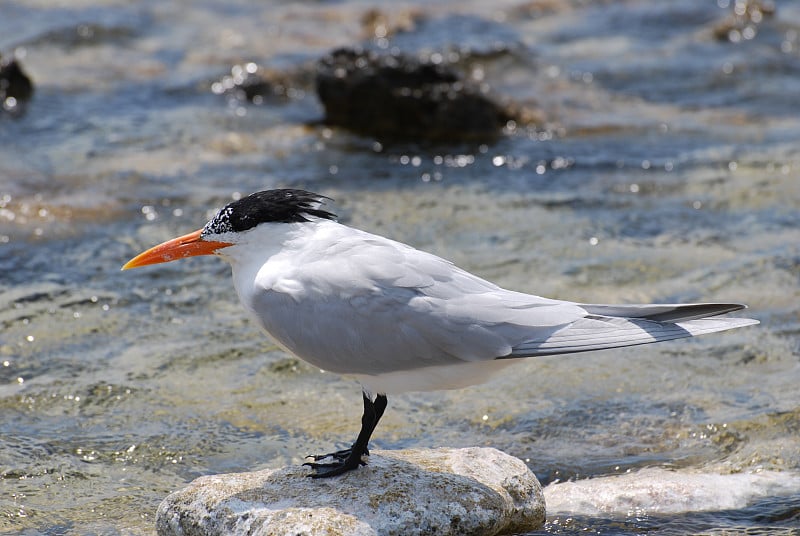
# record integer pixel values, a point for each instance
(667, 169)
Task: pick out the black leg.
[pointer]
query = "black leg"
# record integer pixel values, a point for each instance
(349, 459)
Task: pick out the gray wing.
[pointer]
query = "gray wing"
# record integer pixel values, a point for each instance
(387, 307)
(384, 306)
(595, 332)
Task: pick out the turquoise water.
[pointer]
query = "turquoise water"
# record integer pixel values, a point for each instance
(665, 168)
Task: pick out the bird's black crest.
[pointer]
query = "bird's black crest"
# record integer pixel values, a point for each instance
(280, 206)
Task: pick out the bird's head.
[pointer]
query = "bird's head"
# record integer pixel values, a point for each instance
(230, 225)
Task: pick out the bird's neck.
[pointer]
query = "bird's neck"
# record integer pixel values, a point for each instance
(272, 252)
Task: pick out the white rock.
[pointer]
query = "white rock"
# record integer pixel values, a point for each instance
(661, 491)
(442, 491)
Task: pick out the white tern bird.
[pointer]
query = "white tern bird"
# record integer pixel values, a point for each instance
(395, 318)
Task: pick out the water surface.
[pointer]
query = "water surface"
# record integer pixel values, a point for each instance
(666, 168)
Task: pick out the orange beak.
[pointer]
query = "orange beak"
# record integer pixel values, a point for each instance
(190, 245)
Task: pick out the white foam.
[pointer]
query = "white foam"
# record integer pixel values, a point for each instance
(653, 491)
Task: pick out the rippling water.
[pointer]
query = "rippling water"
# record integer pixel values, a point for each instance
(666, 168)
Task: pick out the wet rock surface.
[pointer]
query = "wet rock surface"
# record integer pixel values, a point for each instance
(396, 96)
(442, 491)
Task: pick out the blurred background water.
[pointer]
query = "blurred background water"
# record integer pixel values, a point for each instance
(666, 167)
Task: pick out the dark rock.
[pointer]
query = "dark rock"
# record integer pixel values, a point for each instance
(393, 96)
(15, 86)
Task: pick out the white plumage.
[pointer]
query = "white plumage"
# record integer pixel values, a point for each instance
(359, 304)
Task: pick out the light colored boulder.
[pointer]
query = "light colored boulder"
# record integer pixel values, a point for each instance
(479, 491)
(661, 491)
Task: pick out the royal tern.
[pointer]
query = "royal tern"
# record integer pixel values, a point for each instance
(395, 318)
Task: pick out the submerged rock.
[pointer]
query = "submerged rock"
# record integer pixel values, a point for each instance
(398, 97)
(442, 491)
(257, 84)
